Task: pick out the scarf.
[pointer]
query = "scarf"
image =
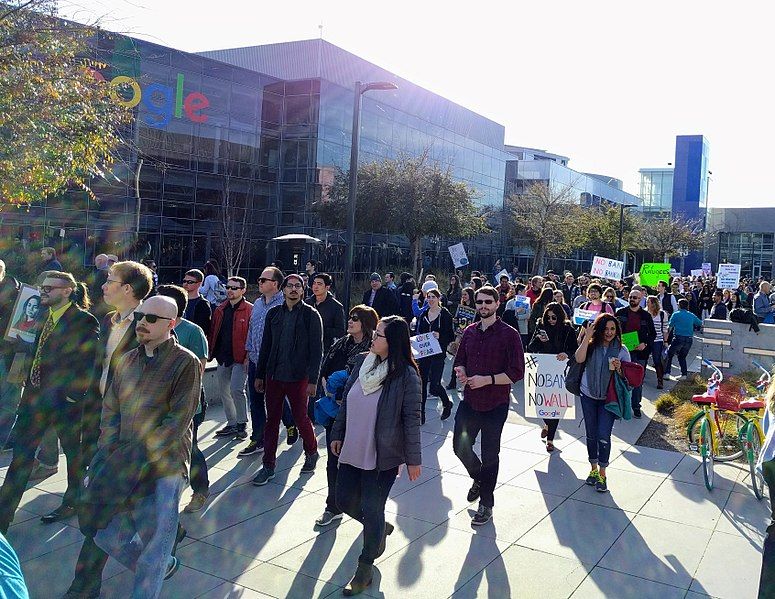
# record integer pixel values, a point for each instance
(597, 372)
(372, 373)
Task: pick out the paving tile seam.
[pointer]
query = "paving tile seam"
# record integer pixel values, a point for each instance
(686, 590)
(31, 559)
(337, 586)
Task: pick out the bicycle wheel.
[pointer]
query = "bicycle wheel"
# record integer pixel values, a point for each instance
(706, 450)
(693, 429)
(731, 436)
(754, 446)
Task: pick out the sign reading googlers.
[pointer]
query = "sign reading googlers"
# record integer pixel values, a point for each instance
(652, 273)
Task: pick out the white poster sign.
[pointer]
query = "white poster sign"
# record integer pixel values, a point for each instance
(545, 392)
(728, 276)
(424, 345)
(707, 269)
(697, 272)
(458, 254)
(581, 316)
(503, 273)
(607, 268)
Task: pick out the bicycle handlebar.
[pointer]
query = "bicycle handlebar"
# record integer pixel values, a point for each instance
(713, 367)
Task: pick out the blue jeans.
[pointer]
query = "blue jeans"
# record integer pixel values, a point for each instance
(258, 408)
(142, 539)
(656, 353)
(681, 346)
(637, 392)
(598, 423)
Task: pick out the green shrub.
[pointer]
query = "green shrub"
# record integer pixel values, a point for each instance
(666, 403)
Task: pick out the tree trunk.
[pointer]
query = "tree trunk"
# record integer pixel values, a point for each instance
(414, 251)
(538, 259)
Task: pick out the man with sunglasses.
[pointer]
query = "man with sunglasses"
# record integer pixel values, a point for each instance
(146, 435)
(54, 394)
(634, 318)
(198, 308)
(227, 338)
(289, 366)
(127, 284)
(489, 360)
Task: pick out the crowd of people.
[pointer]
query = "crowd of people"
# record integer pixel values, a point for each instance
(118, 383)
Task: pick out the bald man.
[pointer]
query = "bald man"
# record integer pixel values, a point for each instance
(142, 463)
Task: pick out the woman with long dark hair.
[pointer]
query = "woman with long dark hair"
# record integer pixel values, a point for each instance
(212, 283)
(466, 300)
(661, 319)
(438, 321)
(28, 319)
(553, 335)
(454, 294)
(342, 356)
(601, 351)
(377, 430)
(544, 299)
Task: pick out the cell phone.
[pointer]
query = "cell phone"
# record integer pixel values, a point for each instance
(541, 333)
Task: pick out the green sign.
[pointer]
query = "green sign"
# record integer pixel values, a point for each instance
(630, 340)
(652, 273)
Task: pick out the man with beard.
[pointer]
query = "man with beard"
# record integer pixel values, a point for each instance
(633, 318)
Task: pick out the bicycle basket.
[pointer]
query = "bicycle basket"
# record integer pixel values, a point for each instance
(729, 396)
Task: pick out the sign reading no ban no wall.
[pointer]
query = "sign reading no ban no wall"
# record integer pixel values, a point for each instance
(545, 392)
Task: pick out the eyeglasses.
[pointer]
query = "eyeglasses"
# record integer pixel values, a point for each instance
(294, 286)
(233, 288)
(114, 281)
(188, 282)
(50, 288)
(354, 317)
(376, 334)
(486, 302)
(150, 318)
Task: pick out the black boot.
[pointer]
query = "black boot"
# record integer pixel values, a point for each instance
(360, 582)
(383, 544)
(452, 384)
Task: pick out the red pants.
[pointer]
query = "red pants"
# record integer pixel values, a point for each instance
(275, 393)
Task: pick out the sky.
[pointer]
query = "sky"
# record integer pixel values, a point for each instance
(608, 84)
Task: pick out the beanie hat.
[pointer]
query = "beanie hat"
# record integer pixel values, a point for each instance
(428, 285)
(295, 276)
(375, 277)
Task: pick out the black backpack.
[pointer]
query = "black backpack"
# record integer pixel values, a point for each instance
(745, 316)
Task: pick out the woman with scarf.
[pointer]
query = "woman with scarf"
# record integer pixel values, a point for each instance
(438, 321)
(342, 356)
(601, 351)
(377, 430)
(553, 335)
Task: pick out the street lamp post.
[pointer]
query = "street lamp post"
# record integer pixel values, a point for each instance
(360, 89)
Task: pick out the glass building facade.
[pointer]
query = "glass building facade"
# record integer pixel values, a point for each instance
(656, 192)
(742, 236)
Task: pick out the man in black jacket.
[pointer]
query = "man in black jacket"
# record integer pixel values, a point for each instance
(633, 318)
(289, 366)
(61, 373)
(198, 309)
(331, 311)
(380, 298)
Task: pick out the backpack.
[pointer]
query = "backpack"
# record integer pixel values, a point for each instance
(220, 292)
(744, 316)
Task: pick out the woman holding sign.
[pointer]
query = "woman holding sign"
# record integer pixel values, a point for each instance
(553, 335)
(437, 320)
(377, 430)
(601, 352)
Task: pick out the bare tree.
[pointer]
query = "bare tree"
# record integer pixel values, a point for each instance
(668, 238)
(233, 229)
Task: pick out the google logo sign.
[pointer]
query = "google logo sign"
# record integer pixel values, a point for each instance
(161, 101)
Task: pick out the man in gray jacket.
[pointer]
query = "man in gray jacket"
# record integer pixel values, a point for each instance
(289, 366)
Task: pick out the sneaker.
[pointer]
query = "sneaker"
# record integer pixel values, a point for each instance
(637, 413)
(226, 431)
(250, 449)
(594, 476)
(328, 518)
(293, 435)
(482, 515)
(241, 434)
(264, 476)
(197, 502)
(172, 567)
(473, 492)
(41, 471)
(601, 486)
(309, 463)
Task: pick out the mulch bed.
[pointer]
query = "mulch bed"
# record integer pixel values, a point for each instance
(664, 433)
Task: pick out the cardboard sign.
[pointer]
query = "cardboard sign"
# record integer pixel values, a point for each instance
(458, 254)
(607, 268)
(24, 320)
(707, 269)
(424, 345)
(728, 276)
(652, 273)
(502, 273)
(545, 392)
(697, 272)
(581, 316)
(465, 313)
(630, 340)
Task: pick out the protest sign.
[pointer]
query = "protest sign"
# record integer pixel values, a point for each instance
(697, 272)
(465, 313)
(607, 268)
(424, 345)
(24, 316)
(522, 301)
(545, 392)
(630, 340)
(707, 269)
(728, 276)
(581, 316)
(652, 273)
(503, 273)
(458, 254)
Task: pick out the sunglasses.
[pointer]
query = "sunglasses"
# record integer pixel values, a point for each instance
(354, 317)
(486, 302)
(264, 280)
(233, 288)
(50, 288)
(551, 317)
(187, 282)
(150, 318)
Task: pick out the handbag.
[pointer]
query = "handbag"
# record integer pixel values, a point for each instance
(573, 373)
(634, 373)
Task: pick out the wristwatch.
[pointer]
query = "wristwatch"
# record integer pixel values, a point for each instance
(492, 378)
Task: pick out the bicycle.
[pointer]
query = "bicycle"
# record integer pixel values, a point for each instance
(753, 435)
